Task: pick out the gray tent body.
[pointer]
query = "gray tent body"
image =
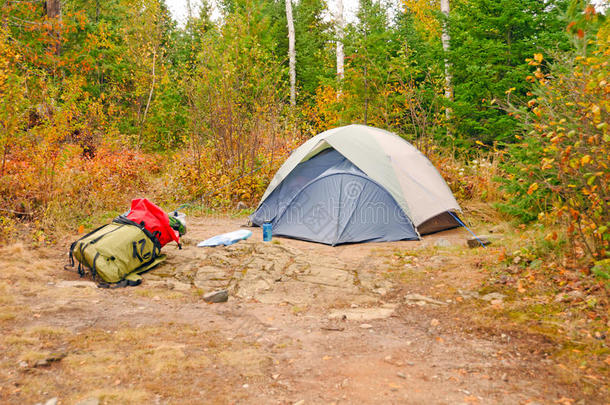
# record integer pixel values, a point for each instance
(356, 184)
(329, 200)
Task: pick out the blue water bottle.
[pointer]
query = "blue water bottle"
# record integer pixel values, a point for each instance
(267, 231)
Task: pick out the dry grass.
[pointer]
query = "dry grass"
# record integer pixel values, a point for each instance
(119, 365)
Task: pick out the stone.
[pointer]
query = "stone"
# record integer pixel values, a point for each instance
(366, 326)
(52, 401)
(442, 242)
(422, 299)
(77, 284)
(52, 357)
(380, 291)
(217, 296)
(434, 322)
(493, 296)
(474, 242)
(41, 363)
(363, 314)
(468, 294)
(333, 327)
(241, 206)
(179, 286)
(573, 295)
(401, 375)
(89, 401)
(211, 277)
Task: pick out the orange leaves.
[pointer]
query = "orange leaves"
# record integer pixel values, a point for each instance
(533, 187)
(590, 10)
(536, 61)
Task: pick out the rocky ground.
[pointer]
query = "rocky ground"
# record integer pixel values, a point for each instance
(403, 322)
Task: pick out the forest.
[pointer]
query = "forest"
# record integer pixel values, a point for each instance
(105, 101)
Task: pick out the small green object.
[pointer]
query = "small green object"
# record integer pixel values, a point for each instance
(177, 222)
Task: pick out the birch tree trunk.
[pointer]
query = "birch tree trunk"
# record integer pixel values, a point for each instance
(340, 25)
(292, 57)
(189, 11)
(445, 38)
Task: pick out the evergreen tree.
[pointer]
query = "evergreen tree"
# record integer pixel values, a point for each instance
(490, 41)
(370, 45)
(313, 38)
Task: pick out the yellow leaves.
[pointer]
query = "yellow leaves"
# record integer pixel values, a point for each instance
(510, 90)
(551, 236)
(532, 102)
(538, 57)
(537, 112)
(547, 163)
(480, 143)
(596, 112)
(533, 187)
(585, 159)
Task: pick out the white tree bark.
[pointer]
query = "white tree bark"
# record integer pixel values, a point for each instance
(340, 26)
(445, 38)
(292, 57)
(189, 11)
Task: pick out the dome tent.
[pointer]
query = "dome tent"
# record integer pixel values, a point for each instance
(356, 184)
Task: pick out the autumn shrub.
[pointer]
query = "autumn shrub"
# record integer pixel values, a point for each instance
(73, 187)
(324, 112)
(559, 171)
(470, 176)
(203, 180)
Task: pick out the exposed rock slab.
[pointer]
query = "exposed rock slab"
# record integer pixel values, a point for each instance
(363, 314)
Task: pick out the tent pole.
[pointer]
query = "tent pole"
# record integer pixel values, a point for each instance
(464, 225)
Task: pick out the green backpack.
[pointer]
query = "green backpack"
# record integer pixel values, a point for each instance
(117, 253)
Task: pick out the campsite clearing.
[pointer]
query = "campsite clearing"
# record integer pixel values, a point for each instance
(402, 322)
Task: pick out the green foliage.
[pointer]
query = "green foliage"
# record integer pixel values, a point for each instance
(518, 178)
(602, 269)
(234, 112)
(369, 46)
(564, 172)
(490, 40)
(313, 41)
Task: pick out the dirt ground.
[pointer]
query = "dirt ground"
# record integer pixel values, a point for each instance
(399, 323)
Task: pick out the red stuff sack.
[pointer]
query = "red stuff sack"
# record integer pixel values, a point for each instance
(154, 220)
